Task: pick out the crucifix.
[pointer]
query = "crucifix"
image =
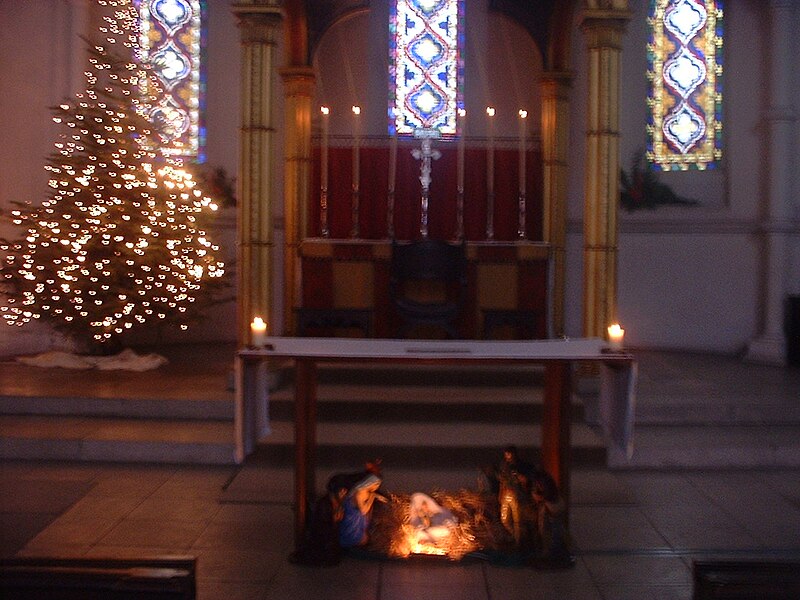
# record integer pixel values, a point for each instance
(425, 154)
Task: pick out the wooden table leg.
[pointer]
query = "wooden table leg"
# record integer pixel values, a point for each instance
(556, 421)
(305, 439)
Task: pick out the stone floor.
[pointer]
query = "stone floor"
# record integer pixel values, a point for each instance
(636, 531)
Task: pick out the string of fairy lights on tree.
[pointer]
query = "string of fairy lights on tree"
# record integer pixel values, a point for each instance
(120, 241)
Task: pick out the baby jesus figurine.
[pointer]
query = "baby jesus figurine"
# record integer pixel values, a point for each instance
(432, 523)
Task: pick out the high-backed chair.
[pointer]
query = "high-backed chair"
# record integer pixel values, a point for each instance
(427, 284)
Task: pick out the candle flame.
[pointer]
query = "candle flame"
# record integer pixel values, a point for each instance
(490, 111)
(462, 112)
(523, 114)
(324, 110)
(258, 323)
(615, 331)
(356, 110)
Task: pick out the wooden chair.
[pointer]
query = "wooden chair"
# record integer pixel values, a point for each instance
(428, 284)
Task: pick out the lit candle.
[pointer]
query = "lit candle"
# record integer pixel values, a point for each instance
(615, 336)
(356, 171)
(356, 147)
(258, 332)
(522, 202)
(323, 178)
(462, 122)
(324, 149)
(490, 176)
(392, 160)
(523, 120)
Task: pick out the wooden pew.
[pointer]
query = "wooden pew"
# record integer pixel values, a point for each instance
(163, 578)
(746, 580)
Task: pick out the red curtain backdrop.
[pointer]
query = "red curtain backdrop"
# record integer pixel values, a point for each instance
(442, 206)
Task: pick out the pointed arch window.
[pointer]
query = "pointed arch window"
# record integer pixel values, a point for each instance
(426, 70)
(685, 77)
(172, 39)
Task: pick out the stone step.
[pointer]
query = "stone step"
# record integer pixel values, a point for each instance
(711, 446)
(409, 444)
(412, 443)
(440, 394)
(682, 411)
(116, 440)
(434, 410)
(134, 408)
(476, 376)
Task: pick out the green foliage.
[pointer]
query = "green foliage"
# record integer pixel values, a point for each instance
(641, 189)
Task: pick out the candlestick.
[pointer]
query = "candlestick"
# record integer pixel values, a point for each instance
(356, 170)
(462, 140)
(490, 176)
(258, 332)
(615, 336)
(392, 178)
(323, 191)
(392, 160)
(523, 120)
(462, 120)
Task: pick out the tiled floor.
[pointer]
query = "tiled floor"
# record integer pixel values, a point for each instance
(635, 532)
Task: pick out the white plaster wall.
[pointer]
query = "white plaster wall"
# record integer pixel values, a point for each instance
(689, 278)
(37, 45)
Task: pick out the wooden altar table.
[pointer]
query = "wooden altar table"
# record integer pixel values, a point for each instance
(617, 370)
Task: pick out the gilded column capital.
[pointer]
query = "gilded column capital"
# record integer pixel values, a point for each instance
(298, 81)
(556, 84)
(604, 27)
(258, 21)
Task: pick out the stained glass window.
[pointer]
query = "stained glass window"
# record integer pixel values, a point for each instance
(172, 40)
(685, 74)
(426, 71)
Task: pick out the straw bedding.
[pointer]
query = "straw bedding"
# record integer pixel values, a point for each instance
(478, 528)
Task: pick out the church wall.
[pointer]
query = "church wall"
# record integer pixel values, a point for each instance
(39, 51)
(689, 277)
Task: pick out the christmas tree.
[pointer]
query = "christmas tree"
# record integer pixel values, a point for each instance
(119, 242)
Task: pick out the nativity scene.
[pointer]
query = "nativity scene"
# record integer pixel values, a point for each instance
(514, 516)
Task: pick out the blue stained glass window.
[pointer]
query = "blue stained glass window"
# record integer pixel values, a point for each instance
(172, 41)
(685, 74)
(426, 71)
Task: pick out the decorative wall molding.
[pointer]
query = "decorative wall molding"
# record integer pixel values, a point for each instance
(702, 225)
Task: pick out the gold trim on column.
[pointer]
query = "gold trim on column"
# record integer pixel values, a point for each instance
(604, 29)
(258, 26)
(298, 93)
(555, 89)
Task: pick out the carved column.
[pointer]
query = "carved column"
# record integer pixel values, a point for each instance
(603, 28)
(555, 142)
(299, 92)
(259, 23)
(780, 118)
